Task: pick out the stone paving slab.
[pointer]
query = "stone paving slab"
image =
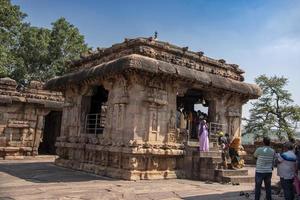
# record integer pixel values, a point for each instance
(36, 179)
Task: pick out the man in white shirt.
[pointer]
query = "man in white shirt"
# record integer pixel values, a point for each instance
(264, 166)
(286, 169)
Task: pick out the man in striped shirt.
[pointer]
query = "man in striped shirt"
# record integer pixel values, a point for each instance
(264, 166)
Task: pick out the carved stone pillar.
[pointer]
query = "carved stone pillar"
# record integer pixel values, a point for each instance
(234, 114)
(217, 109)
(116, 109)
(108, 85)
(174, 89)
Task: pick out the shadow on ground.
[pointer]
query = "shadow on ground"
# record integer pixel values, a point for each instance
(248, 194)
(224, 196)
(46, 172)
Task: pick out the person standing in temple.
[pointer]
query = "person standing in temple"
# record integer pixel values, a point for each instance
(223, 141)
(287, 170)
(203, 136)
(265, 156)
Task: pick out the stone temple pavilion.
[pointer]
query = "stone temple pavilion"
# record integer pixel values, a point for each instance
(130, 110)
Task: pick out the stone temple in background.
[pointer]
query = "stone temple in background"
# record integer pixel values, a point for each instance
(29, 119)
(130, 111)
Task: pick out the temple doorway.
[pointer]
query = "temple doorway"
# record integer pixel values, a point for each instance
(192, 108)
(51, 132)
(96, 115)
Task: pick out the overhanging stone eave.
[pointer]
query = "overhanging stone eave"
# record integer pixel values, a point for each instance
(145, 64)
(42, 102)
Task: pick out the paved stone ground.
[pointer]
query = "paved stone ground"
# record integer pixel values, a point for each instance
(39, 179)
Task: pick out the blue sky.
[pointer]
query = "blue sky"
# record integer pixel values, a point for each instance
(262, 36)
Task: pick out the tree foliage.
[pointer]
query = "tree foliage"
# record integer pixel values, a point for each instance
(65, 45)
(34, 53)
(274, 112)
(10, 28)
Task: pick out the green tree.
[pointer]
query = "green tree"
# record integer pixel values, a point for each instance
(66, 44)
(33, 51)
(274, 112)
(10, 27)
(45, 53)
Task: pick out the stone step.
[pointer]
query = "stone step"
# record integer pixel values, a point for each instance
(209, 162)
(231, 172)
(238, 179)
(229, 167)
(213, 136)
(210, 154)
(193, 143)
(214, 149)
(214, 159)
(213, 145)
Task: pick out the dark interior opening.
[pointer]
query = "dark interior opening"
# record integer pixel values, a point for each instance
(95, 120)
(51, 131)
(98, 99)
(192, 108)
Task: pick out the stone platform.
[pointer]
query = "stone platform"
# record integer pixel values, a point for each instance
(39, 178)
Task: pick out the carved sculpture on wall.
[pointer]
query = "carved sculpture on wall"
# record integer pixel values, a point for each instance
(154, 121)
(133, 163)
(24, 135)
(116, 160)
(155, 164)
(124, 85)
(172, 135)
(118, 117)
(172, 122)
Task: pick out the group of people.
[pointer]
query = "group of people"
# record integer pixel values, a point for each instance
(196, 123)
(230, 150)
(198, 127)
(267, 158)
(286, 161)
(190, 120)
(287, 168)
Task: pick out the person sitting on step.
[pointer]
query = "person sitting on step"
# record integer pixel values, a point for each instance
(234, 148)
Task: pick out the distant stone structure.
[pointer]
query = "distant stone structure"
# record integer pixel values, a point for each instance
(131, 110)
(22, 117)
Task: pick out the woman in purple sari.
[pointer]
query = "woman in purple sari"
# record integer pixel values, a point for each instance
(203, 136)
